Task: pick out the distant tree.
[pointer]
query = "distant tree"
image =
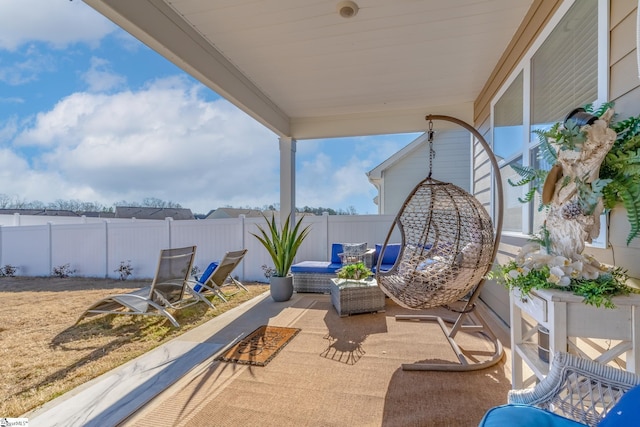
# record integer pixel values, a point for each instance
(67, 205)
(128, 204)
(5, 201)
(36, 204)
(153, 202)
(149, 202)
(320, 211)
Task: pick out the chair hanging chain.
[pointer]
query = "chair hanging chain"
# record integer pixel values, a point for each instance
(432, 152)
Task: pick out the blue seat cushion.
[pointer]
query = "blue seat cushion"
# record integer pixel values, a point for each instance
(383, 267)
(626, 412)
(316, 267)
(205, 275)
(524, 416)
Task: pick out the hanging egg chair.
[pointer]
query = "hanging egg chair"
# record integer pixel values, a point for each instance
(448, 245)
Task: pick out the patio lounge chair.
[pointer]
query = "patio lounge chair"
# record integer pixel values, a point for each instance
(576, 392)
(169, 290)
(218, 274)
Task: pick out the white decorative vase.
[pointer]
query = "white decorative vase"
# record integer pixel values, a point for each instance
(281, 288)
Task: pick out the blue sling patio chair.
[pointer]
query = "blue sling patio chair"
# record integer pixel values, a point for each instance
(218, 275)
(168, 290)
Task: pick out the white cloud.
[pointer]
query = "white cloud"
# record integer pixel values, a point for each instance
(100, 78)
(12, 100)
(333, 172)
(58, 23)
(27, 67)
(164, 141)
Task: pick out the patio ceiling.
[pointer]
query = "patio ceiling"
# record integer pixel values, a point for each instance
(304, 71)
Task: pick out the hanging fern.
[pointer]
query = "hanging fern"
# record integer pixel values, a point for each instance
(622, 167)
(533, 176)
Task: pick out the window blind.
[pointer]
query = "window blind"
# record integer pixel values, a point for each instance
(564, 70)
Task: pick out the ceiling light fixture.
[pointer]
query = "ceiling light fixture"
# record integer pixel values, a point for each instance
(347, 9)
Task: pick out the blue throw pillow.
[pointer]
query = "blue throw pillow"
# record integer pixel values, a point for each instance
(524, 416)
(626, 412)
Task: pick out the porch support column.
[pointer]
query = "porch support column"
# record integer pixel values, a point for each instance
(287, 177)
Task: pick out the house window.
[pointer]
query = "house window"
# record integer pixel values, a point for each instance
(564, 70)
(554, 78)
(512, 209)
(507, 121)
(538, 212)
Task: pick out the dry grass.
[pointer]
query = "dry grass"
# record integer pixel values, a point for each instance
(43, 354)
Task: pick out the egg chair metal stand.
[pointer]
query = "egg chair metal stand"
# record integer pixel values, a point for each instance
(448, 245)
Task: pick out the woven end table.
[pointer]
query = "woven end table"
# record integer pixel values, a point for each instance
(356, 296)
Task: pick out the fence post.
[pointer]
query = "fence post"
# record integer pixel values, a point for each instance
(241, 217)
(325, 217)
(49, 224)
(168, 220)
(106, 251)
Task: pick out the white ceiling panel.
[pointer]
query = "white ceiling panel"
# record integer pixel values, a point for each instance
(290, 63)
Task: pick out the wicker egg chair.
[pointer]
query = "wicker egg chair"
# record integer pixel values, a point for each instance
(448, 245)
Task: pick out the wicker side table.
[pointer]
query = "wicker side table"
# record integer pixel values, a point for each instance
(351, 296)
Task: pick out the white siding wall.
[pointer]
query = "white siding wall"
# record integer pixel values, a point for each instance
(451, 164)
(624, 90)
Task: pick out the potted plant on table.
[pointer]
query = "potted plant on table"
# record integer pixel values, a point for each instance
(355, 272)
(282, 243)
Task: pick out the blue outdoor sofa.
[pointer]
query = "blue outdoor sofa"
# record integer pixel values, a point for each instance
(315, 276)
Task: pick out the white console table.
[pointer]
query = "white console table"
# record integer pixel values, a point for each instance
(568, 319)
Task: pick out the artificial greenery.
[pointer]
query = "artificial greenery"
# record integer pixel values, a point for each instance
(282, 243)
(597, 292)
(619, 178)
(536, 267)
(356, 271)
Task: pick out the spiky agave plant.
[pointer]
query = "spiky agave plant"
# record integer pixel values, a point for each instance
(282, 243)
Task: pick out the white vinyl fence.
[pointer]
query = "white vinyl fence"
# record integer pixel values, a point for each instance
(96, 247)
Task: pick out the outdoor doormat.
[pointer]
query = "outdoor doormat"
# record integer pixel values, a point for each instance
(260, 346)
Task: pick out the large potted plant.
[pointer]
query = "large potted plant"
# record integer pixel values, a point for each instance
(282, 243)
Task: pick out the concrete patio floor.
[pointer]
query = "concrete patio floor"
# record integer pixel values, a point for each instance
(135, 391)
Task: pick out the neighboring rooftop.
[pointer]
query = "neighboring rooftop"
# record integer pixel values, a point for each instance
(153, 213)
(234, 213)
(40, 212)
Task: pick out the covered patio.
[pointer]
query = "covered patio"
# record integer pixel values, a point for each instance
(328, 68)
(336, 371)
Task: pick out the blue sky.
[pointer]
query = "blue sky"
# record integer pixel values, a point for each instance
(89, 113)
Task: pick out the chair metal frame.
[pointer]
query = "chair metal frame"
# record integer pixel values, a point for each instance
(221, 276)
(168, 290)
